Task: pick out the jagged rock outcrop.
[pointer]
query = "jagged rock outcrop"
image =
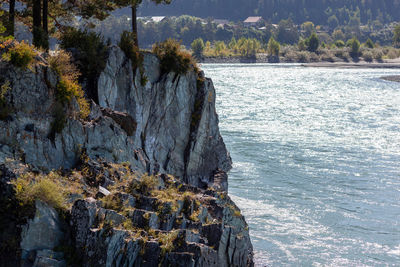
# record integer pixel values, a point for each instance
(167, 126)
(175, 139)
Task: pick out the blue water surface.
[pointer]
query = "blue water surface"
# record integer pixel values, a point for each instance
(316, 157)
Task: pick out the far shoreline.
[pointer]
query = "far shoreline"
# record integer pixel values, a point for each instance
(386, 64)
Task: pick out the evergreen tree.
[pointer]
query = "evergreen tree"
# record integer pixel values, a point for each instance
(354, 45)
(312, 42)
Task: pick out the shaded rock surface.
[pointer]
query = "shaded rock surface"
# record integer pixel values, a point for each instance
(167, 126)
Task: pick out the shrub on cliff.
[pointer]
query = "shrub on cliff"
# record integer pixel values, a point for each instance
(173, 58)
(68, 85)
(48, 189)
(20, 54)
(90, 53)
(127, 44)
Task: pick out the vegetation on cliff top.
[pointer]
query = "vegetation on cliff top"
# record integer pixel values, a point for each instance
(173, 57)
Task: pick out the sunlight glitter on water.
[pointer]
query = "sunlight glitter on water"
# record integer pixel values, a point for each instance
(316, 162)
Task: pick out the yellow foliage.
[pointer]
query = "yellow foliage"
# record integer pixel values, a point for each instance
(20, 54)
(48, 189)
(68, 85)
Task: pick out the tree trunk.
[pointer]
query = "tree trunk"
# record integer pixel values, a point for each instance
(37, 16)
(134, 25)
(37, 22)
(45, 43)
(45, 16)
(11, 18)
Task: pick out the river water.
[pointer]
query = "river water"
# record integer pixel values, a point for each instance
(316, 157)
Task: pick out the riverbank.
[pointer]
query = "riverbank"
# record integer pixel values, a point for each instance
(339, 58)
(350, 65)
(262, 58)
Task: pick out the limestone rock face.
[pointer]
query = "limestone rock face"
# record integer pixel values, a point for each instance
(177, 124)
(165, 127)
(172, 120)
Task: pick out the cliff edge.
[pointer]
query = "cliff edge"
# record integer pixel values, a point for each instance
(143, 177)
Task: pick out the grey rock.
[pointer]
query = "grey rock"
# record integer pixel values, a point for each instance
(180, 259)
(83, 215)
(168, 126)
(48, 262)
(128, 200)
(163, 110)
(115, 218)
(44, 231)
(95, 111)
(49, 258)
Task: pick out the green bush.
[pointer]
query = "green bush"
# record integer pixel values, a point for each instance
(173, 58)
(339, 44)
(303, 57)
(378, 55)
(21, 55)
(369, 43)
(368, 56)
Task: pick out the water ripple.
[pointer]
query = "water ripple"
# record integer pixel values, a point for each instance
(316, 162)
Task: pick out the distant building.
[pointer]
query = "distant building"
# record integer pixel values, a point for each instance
(253, 21)
(158, 19)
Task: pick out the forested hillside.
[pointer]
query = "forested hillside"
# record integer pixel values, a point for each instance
(322, 12)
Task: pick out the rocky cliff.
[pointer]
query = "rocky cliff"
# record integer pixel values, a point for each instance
(148, 167)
